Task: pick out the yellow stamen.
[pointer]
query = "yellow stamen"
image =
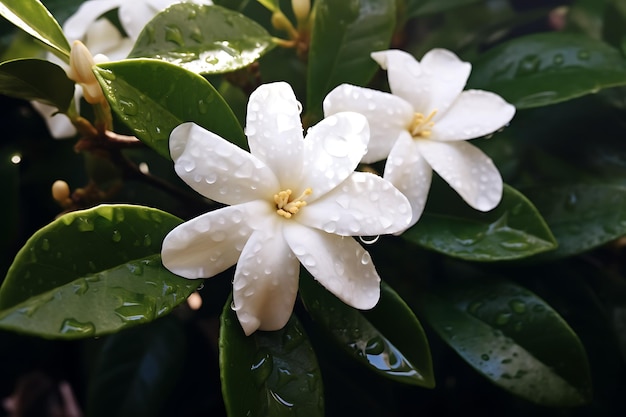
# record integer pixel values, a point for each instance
(287, 206)
(421, 125)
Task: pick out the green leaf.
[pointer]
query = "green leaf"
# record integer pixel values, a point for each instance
(344, 34)
(23, 78)
(513, 338)
(152, 108)
(271, 5)
(513, 230)
(268, 373)
(423, 7)
(92, 272)
(388, 339)
(33, 18)
(203, 39)
(581, 217)
(547, 68)
(135, 371)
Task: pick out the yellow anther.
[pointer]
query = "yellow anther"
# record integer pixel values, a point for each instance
(421, 125)
(287, 206)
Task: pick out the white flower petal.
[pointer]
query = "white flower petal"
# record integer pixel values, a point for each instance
(363, 205)
(467, 169)
(59, 124)
(217, 169)
(210, 243)
(76, 26)
(332, 150)
(430, 85)
(475, 113)
(388, 115)
(274, 131)
(339, 263)
(266, 283)
(410, 173)
(104, 38)
(134, 15)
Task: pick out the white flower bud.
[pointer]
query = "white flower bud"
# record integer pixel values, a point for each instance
(80, 71)
(301, 8)
(61, 192)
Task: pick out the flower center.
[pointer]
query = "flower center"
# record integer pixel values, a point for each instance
(421, 125)
(287, 206)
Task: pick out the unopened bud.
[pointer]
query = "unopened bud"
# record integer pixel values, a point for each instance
(80, 71)
(301, 8)
(61, 192)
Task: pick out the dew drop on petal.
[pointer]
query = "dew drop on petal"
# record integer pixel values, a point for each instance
(366, 258)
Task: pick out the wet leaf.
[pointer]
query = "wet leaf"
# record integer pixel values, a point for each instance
(581, 217)
(92, 272)
(22, 78)
(513, 338)
(135, 371)
(33, 18)
(424, 7)
(203, 39)
(268, 373)
(547, 68)
(513, 230)
(344, 34)
(389, 339)
(152, 108)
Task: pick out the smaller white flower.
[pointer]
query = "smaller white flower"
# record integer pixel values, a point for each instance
(423, 125)
(291, 200)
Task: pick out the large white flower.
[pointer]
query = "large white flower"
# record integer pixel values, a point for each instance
(102, 38)
(423, 125)
(291, 200)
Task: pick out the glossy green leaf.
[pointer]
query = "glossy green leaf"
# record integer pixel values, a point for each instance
(33, 18)
(547, 68)
(107, 257)
(268, 373)
(423, 7)
(24, 78)
(344, 34)
(203, 39)
(614, 29)
(582, 217)
(513, 230)
(513, 338)
(152, 108)
(388, 339)
(135, 371)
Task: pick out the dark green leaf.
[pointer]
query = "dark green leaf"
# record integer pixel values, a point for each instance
(92, 272)
(33, 18)
(203, 39)
(424, 7)
(614, 29)
(513, 230)
(23, 79)
(136, 370)
(268, 373)
(153, 97)
(582, 216)
(546, 68)
(389, 339)
(344, 34)
(10, 209)
(514, 339)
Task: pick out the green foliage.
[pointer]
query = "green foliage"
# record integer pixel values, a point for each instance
(33, 18)
(203, 39)
(342, 38)
(153, 108)
(514, 338)
(60, 274)
(547, 68)
(22, 79)
(268, 373)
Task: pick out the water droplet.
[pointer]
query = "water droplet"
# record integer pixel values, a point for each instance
(528, 65)
(128, 106)
(117, 236)
(366, 258)
(369, 240)
(174, 34)
(337, 146)
(75, 327)
(503, 318)
(558, 59)
(515, 246)
(518, 306)
(484, 357)
(196, 35)
(45, 245)
(538, 308)
(135, 269)
(262, 366)
(80, 287)
(85, 224)
(473, 307)
(583, 55)
(141, 310)
(147, 240)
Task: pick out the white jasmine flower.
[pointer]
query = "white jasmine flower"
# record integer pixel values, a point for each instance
(102, 38)
(291, 200)
(423, 125)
